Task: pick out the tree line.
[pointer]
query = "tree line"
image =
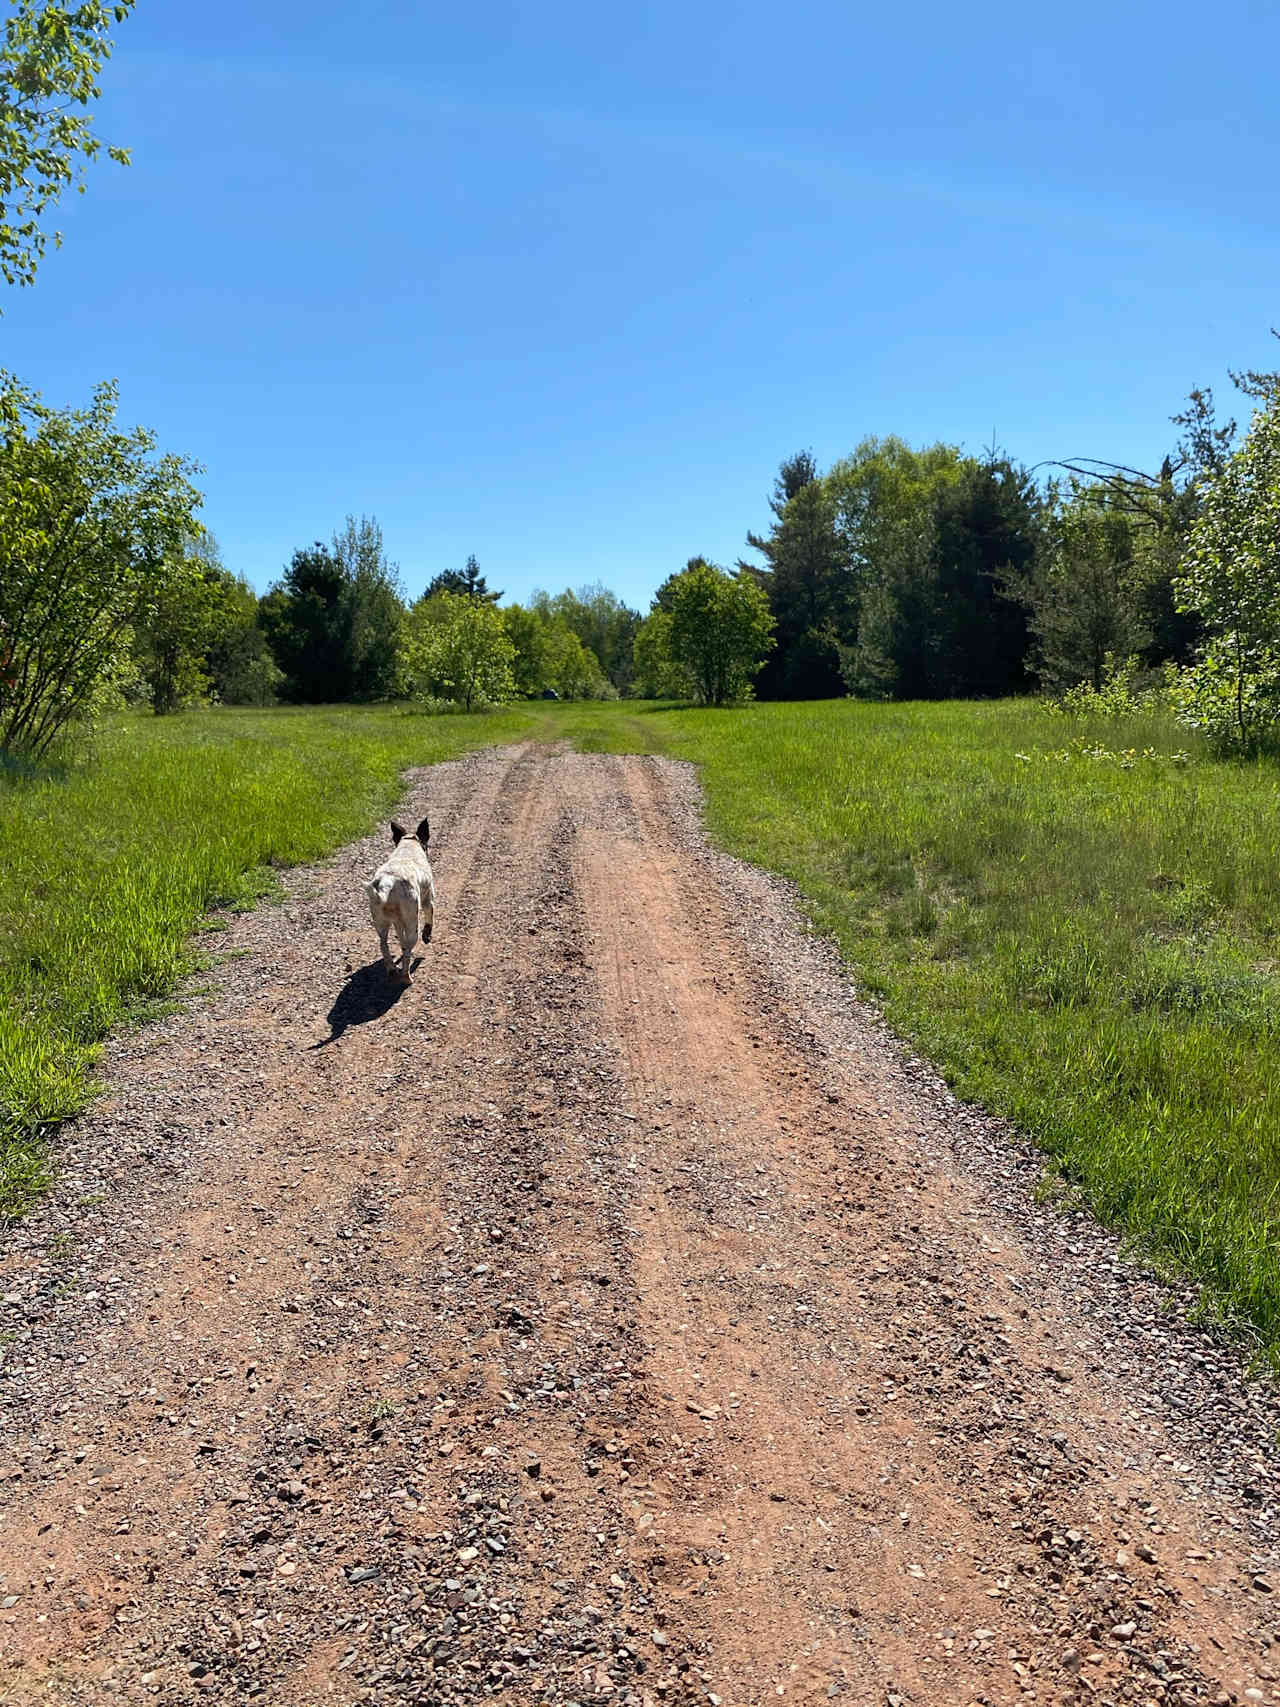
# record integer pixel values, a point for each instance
(113, 593)
(927, 573)
(897, 572)
(931, 574)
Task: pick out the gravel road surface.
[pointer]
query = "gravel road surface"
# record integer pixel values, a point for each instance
(616, 1314)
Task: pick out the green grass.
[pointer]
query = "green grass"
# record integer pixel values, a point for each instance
(606, 726)
(1084, 938)
(1086, 941)
(107, 868)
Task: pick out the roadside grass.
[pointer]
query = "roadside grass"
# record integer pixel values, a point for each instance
(1084, 936)
(1079, 924)
(605, 726)
(107, 866)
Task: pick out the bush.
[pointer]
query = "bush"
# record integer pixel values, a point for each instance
(1232, 699)
(92, 526)
(457, 648)
(1126, 691)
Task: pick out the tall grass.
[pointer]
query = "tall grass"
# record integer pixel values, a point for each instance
(106, 869)
(1084, 936)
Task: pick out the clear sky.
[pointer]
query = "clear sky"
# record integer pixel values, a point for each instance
(561, 284)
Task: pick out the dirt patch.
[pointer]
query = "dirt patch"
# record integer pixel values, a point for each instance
(615, 1314)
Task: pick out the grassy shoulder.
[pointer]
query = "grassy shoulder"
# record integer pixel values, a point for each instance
(1080, 926)
(106, 871)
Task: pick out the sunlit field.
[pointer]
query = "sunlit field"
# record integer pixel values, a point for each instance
(106, 870)
(1079, 924)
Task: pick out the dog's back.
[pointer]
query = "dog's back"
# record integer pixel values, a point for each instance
(407, 871)
(402, 894)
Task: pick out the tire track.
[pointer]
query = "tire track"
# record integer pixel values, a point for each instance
(579, 1326)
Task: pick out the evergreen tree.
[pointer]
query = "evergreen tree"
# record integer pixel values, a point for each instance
(1083, 594)
(303, 618)
(467, 582)
(808, 583)
(333, 619)
(985, 537)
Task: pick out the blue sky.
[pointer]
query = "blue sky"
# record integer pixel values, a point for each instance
(560, 285)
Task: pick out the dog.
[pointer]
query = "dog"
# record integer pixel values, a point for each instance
(403, 893)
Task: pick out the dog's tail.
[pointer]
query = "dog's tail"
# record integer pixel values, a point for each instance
(394, 898)
(378, 892)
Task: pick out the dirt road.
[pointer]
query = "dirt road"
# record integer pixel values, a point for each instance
(613, 1315)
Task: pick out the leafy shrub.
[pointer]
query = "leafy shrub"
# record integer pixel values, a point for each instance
(1230, 697)
(1231, 579)
(1125, 692)
(91, 529)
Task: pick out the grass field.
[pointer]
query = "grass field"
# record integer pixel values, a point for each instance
(1083, 938)
(1081, 934)
(106, 871)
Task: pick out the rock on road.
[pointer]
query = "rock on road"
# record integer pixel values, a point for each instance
(613, 1315)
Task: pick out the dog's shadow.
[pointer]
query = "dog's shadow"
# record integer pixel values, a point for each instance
(367, 994)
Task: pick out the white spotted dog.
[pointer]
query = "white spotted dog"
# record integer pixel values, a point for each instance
(403, 893)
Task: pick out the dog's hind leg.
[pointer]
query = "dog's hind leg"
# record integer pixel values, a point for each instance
(388, 960)
(407, 931)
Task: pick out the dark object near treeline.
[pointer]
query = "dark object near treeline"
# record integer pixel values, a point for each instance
(550, 693)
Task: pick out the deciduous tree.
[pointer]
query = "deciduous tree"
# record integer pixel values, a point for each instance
(457, 648)
(239, 663)
(573, 669)
(373, 605)
(174, 637)
(549, 654)
(657, 675)
(201, 640)
(1231, 579)
(721, 631)
(50, 59)
(92, 528)
(886, 497)
(605, 626)
(528, 631)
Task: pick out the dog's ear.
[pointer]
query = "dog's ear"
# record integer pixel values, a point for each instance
(423, 832)
(397, 830)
